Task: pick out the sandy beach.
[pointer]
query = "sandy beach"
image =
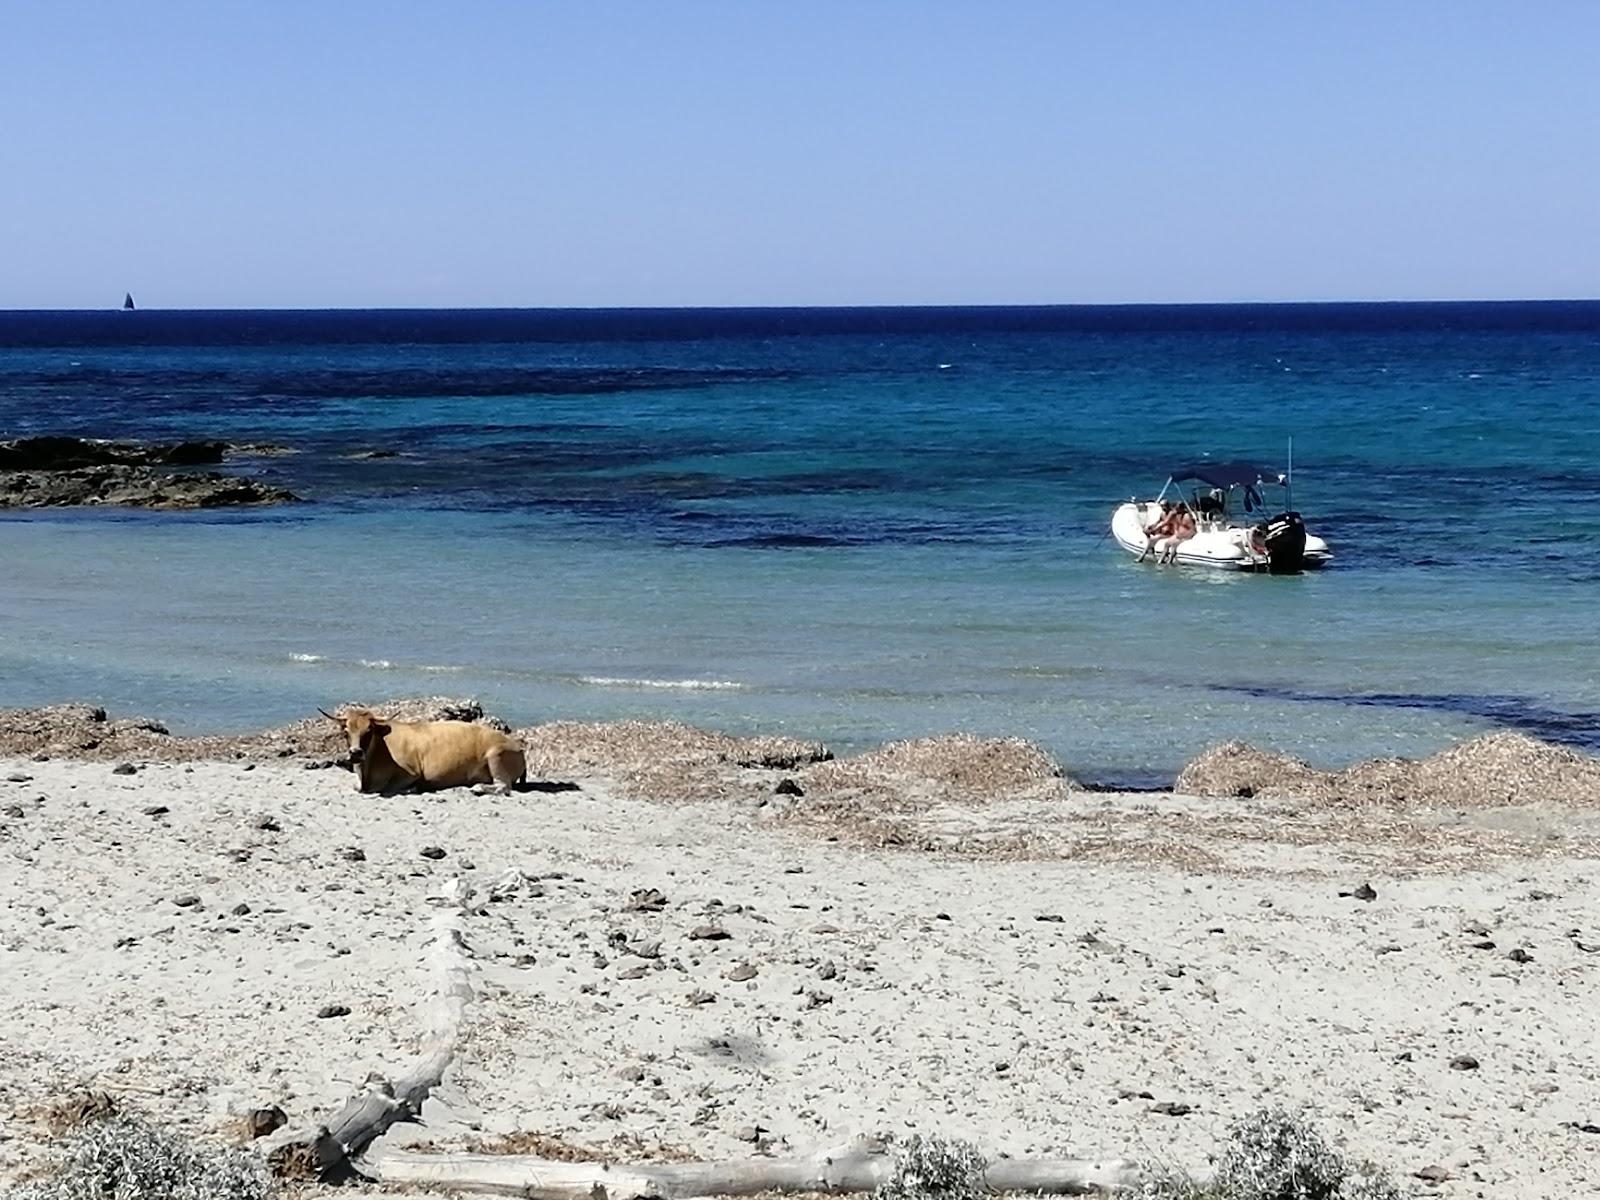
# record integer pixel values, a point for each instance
(724, 972)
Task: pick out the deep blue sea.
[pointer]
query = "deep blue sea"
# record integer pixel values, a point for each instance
(850, 524)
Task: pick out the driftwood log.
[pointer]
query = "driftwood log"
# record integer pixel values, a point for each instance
(861, 1167)
(324, 1151)
(345, 1144)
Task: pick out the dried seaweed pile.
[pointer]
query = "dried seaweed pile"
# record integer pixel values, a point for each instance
(663, 760)
(1495, 769)
(84, 731)
(957, 768)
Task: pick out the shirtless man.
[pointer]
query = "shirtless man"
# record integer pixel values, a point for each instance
(1181, 530)
(1160, 528)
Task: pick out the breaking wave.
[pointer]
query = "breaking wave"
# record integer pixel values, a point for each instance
(688, 685)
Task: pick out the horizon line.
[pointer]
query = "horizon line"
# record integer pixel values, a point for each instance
(947, 306)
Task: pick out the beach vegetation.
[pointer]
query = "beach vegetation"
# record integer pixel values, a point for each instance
(124, 1158)
(1274, 1154)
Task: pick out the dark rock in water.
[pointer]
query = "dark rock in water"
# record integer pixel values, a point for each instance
(71, 453)
(134, 487)
(373, 454)
(54, 472)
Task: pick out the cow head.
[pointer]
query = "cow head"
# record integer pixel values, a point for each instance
(360, 728)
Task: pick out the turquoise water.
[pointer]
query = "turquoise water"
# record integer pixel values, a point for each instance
(850, 526)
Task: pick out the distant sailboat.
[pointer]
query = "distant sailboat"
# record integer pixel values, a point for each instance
(127, 302)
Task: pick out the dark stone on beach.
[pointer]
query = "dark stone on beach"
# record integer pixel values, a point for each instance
(333, 1010)
(125, 769)
(699, 997)
(262, 1121)
(433, 852)
(241, 910)
(1364, 891)
(818, 999)
(828, 970)
(742, 973)
(268, 824)
(14, 811)
(1433, 1174)
(645, 900)
(1475, 929)
(1463, 1062)
(157, 810)
(787, 787)
(18, 777)
(633, 1074)
(354, 854)
(1050, 918)
(187, 901)
(1519, 955)
(1172, 1108)
(709, 933)
(1485, 944)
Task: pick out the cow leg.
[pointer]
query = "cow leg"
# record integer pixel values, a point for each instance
(507, 767)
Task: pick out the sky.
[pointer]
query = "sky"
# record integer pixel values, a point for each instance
(677, 152)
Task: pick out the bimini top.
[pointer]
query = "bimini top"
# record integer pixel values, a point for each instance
(1226, 474)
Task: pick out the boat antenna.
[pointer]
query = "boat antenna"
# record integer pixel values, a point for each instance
(1288, 476)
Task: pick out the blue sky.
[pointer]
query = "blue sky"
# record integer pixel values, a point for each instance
(661, 153)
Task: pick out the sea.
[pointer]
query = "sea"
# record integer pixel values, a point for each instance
(854, 525)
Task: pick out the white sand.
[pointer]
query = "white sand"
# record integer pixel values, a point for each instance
(952, 1007)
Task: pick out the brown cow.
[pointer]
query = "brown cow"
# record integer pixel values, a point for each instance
(397, 756)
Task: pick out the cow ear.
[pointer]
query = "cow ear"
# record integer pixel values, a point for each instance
(381, 728)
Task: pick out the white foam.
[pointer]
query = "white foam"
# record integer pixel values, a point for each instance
(388, 664)
(305, 657)
(693, 685)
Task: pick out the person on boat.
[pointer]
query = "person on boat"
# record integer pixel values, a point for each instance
(1160, 528)
(1181, 529)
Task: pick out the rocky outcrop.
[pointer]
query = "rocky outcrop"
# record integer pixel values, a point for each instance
(1489, 771)
(72, 453)
(134, 487)
(56, 472)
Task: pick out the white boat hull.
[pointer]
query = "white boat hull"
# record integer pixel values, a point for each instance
(1215, 544)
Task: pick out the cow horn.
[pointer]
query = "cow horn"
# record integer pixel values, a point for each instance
(330, 716)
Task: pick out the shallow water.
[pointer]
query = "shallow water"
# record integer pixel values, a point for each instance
(773, 523)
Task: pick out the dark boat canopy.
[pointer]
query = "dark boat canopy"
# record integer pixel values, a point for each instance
(1226, 474)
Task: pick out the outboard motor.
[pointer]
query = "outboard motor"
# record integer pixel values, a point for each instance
(1284, 539)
